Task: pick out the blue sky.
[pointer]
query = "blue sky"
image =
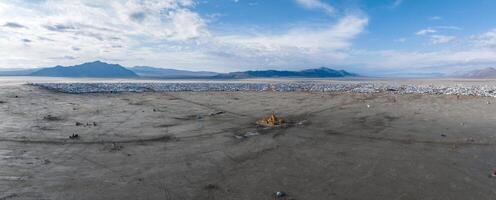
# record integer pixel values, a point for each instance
(364, 36)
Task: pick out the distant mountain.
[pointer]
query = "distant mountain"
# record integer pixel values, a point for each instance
(17, 72)
(310, 73)
(95, 69)
(488, 72)
(412, 75)
(145, 71)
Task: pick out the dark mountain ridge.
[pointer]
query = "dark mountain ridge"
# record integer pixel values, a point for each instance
(322, 72)
(95, 69)
(145, 71)
(487, 72)
(98, 69)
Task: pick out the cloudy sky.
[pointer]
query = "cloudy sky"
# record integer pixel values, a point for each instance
(367, 36)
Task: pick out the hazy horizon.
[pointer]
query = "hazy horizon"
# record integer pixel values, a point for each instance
(366, 37)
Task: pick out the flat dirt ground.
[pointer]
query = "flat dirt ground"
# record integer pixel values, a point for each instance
(206, 145)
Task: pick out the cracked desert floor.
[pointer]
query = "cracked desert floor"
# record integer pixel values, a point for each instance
(206, 145)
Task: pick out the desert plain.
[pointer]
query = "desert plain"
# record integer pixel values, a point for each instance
(206, 145)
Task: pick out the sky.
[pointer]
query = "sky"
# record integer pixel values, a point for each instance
(362, 36)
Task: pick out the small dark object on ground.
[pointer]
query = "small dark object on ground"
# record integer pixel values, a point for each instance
(492, 175)
(2, 102)
(279, 195)
(217, 113)
(94, 123)
(443, 135)
(211, 186)
(74, 136)
(115, 147)
(46, 161)
(51, 118)
(247, 135)
(10, 196)
(79, 124)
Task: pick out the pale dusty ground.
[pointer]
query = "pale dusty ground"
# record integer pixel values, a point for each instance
(169, 146)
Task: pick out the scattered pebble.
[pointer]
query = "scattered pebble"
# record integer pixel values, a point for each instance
(492, 174)
(114, 147)
(247, 135)
(87, 124)
(300, 123)
(280, 194)
(51, 118)
(217, 113)
(74, 136)
(211, 187)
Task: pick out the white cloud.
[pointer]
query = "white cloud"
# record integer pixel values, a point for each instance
(487, 39)
(170, 33)
(435, 18)
(442, 39)
(397, 3)
(438, 61)
(337, 36)
(426, 31)
(100, 29)
(316, 4)
(295, 48)
(456, 28)
(159, 33)
(436, 29)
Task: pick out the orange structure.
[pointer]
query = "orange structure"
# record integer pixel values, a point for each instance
(271, 121)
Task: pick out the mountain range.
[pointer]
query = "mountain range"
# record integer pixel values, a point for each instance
(154, 72)
(310, 73)
(488, 72)
(95, 69)
(17, 72)
(98, 69)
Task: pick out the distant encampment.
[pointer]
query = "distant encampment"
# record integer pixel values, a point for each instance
(309, 73)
